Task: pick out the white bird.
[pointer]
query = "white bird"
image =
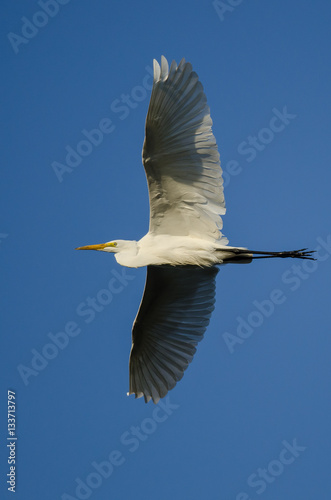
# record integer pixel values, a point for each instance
(184, 241)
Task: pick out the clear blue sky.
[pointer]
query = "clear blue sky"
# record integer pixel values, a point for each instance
(251, 418)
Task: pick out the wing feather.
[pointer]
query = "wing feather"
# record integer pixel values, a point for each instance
(180, 156)
(172, 319)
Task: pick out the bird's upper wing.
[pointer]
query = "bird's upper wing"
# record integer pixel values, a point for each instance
(180, 156)
(172, 319)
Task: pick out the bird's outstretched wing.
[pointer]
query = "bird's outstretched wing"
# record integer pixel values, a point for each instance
(172, 319)
(180, 156)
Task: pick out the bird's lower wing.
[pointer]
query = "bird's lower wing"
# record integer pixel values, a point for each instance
(180, 156)
(172, 319)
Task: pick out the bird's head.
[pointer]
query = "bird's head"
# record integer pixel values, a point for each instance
(110, 246)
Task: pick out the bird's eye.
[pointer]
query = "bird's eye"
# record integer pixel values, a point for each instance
(115, 244)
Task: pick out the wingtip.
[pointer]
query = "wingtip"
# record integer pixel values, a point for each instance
(164, 68)
(136, 395)
(162, 71)
(156, 70)
(147, 398)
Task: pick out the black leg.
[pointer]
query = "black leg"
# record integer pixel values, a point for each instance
(303, 253)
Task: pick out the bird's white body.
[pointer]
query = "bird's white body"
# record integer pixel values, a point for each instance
(163, 249)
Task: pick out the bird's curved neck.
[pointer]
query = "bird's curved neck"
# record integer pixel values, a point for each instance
(126, 253)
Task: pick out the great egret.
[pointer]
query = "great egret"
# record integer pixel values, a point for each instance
(184, 241)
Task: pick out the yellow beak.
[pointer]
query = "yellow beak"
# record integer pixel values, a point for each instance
(100, 246)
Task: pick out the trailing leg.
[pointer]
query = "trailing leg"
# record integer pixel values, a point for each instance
(303, 253)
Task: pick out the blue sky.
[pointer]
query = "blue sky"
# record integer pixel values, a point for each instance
(251, 417)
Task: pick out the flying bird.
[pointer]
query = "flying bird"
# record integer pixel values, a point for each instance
(184, 242)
